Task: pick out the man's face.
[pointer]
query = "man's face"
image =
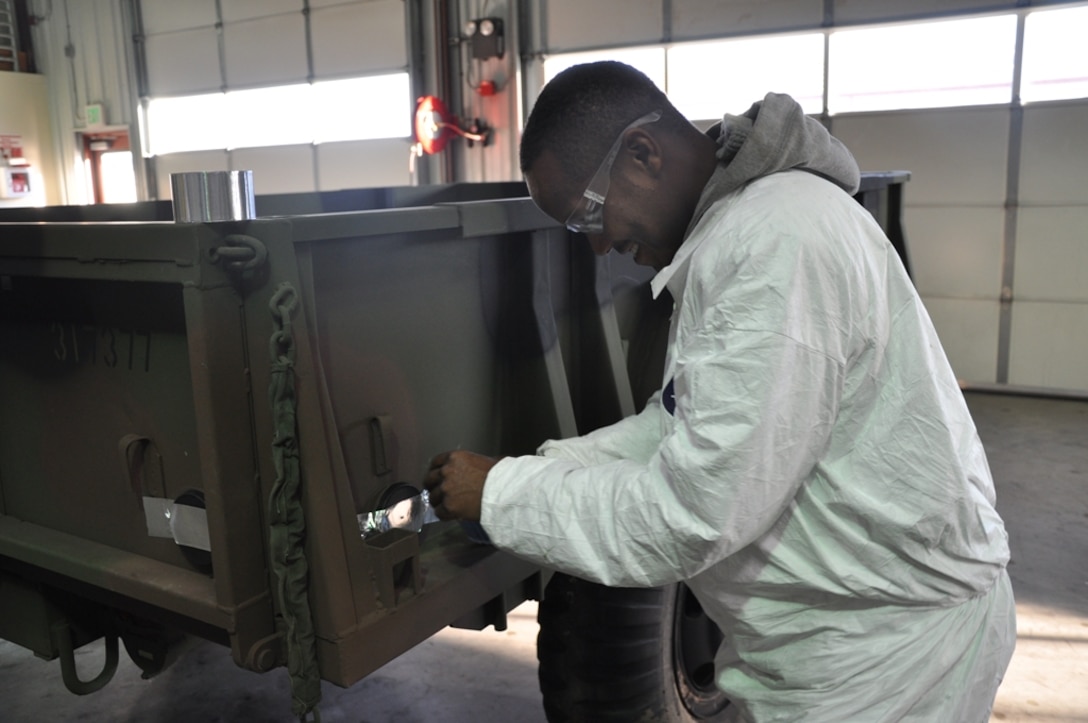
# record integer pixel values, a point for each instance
(638, 214)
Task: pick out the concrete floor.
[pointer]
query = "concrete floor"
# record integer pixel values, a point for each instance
(457, 676)
(1039, 454)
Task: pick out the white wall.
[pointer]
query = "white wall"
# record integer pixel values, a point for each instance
(24, 111)
(98, 71)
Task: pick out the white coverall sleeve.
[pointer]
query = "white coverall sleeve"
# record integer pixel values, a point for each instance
(754, 409)
(633, 438)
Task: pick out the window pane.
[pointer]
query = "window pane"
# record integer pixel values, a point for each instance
(352, 109)
(192, 123)
(740, 72)
(118, 177)
(269, 117)
(1055, 55)
(922, 65)
(650, 61)
(362, 108)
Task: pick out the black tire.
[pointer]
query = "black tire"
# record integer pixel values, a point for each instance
(626, 654)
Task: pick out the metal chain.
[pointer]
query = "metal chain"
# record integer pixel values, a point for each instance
(282, 305)
(287, 522)
(240, 252)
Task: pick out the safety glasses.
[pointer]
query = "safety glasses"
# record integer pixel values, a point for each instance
(588, 215)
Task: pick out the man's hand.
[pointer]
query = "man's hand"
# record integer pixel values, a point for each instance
(455, 484)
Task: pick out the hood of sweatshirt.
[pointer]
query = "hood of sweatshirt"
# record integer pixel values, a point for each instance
(774, 135)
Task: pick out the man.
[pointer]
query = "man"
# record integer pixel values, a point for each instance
(809, 468)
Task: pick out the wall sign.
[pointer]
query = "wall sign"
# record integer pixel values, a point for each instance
(11, 147)
(14, 169)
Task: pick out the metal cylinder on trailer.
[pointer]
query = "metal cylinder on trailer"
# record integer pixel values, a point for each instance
(203, 196)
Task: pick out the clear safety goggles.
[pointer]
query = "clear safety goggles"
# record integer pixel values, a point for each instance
(588, 215)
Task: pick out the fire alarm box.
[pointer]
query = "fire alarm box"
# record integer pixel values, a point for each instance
(14, 181)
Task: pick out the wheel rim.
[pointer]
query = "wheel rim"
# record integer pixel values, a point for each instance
(695, 641)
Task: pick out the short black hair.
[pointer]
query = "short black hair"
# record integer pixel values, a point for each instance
(582, 110)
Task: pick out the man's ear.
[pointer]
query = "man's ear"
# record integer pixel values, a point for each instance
(644, 150)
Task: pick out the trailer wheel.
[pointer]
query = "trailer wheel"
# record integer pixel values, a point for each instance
(626, 654)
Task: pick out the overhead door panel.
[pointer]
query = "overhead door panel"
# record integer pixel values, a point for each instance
(165, 16)
(864, 11)
(575, 24)
(358, 38)
(236, 10)
(363, 164)
(955, 223)
(267, 51)
(278, 169)
(935, 146)
(183, 62)
(242, 46)
(708, 18)
(1049, 345)
(1055, 157)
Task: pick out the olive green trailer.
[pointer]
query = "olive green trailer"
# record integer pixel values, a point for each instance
(194, 416)
(135, 375)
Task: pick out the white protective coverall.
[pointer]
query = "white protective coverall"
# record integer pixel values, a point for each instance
(811, 469)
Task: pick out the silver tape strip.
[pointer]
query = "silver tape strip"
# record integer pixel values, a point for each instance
(157, 513)
(184, 524)
(190, 527)
(410, 514)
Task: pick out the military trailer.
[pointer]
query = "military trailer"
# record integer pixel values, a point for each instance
(218, 428)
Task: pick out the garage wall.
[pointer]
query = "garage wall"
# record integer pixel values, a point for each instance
(997, 224)
(954, 218)
(204, 46)
(996, 211)
(997, 221)
(568, 25)
(1049, 324)
(997, 207)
